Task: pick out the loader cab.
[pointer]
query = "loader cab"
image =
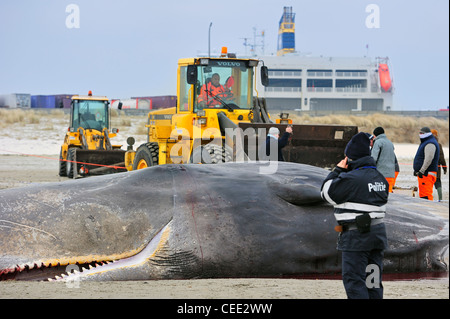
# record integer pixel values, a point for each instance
(216, 83)
(90, 113)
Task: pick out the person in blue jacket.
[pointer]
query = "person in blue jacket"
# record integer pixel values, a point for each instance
(426, 163)
(275, 143)
(359, 193)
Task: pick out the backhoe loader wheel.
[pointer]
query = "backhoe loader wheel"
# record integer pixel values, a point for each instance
(62, 165)
(211, 154)
(70, 166)
(146, 156)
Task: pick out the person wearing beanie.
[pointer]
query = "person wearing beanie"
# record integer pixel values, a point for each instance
(384, 156)
(378, 131)
(441, 164)
(276, 144)
(359, 193)
(356, 148)
(425, 163)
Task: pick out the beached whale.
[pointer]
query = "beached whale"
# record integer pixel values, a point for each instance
(198, 221)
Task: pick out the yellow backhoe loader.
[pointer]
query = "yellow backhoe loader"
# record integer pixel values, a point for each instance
(218, 119)
(87, 147)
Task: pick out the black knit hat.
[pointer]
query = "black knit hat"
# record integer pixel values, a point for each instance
(425, 130)
(359, 146)
(377, 131)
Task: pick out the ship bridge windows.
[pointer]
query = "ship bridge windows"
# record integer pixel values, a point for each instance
(319, 85)
(319, 72)
(285, 73)
(287, 25)
(351, 85)
(351, 73)
(284, 85)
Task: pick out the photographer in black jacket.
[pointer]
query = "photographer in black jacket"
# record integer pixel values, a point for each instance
(359, 193)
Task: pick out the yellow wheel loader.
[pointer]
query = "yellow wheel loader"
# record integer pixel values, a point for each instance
(218, 119)
(87, 147)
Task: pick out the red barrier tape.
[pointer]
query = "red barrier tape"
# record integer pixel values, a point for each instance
(63, 160)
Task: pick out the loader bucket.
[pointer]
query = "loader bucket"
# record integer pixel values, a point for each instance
(100, 162)
(317, 145)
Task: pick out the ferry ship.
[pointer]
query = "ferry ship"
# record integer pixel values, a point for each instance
(308, 83)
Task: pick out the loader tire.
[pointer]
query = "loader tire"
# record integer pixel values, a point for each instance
(211, 154)
(70, 166)
(146, 156)
(62, 165)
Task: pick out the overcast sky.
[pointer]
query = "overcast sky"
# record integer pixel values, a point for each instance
(131, 48)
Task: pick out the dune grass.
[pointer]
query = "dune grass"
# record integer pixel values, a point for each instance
(399, 129)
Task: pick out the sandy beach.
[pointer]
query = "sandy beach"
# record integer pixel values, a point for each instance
(25, 160)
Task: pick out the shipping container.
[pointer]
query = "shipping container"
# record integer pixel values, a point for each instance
(146, 102)
(34, 101)
(63, 101)
(51, 101)
(15, 100)
(159, 102)
(43, 101)
(126, 104)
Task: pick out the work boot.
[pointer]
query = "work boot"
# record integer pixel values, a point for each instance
(439, 191)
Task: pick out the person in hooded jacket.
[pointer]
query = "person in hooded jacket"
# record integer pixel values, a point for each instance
(426, 163)
(359, 193)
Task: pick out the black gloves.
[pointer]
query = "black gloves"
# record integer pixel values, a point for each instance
(420, 175)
